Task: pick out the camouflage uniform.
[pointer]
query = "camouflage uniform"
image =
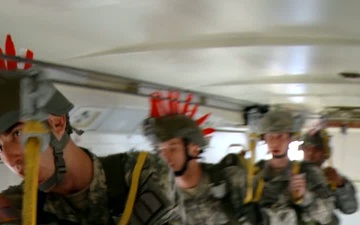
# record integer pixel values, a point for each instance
(89, 205)
(218, 197)
(276, 199)
(157, 200)
(345, 196)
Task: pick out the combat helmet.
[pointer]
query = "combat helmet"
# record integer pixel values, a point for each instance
(170, 119)
(282, 120)
(318, 138)
(11, 81)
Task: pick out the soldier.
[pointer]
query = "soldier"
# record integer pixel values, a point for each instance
(317, 150)
(208, 189)
(289, 192)
(76, 186)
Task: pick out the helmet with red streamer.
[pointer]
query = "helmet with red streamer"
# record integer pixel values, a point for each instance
(11, 90)
(169, 118)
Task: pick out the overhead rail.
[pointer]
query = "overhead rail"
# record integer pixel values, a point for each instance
(62, 74)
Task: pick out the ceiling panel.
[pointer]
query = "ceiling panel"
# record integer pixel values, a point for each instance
(194, 44)
(211, 66)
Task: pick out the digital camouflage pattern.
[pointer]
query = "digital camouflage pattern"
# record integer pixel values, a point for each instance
(345, 200)
(59, 206)
(164, 128)
(201, 206)
(319, 139)
(91, 213)
(345, 196)
(155, 176)
(314, 138)
(211, 201)
(281, 120)
(277, 202)
(276, 121)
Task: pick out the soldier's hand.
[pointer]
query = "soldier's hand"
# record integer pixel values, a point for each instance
(298, 185)
(333, 176)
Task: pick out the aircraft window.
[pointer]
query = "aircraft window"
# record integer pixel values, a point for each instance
(220, 143)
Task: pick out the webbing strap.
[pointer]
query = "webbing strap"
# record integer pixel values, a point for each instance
(296, 170)
(251, 169)
(261, 183)
(259, 190)
(325, 139)
(60, 167)
(133, 189)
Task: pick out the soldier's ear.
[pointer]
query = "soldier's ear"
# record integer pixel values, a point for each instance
(57, 125)
(194, 150)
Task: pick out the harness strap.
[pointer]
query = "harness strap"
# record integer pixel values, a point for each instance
(296, 166)
(133, 189)
(60, 167)
(251, 169)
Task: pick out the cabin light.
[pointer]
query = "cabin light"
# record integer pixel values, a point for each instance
(297, 99)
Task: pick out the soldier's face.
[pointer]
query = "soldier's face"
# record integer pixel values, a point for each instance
(314, 154)
(12, 154)
(278, 143)
(173, 151)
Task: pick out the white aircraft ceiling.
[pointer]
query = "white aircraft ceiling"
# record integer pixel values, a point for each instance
(273, 51)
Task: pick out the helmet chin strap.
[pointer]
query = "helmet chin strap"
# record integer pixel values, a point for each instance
(181, 172)
(280, 156)
(60, 167)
